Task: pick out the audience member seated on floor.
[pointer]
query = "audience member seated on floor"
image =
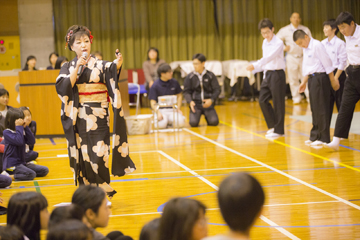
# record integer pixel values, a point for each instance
(183, 218)
(60, 61)
(150, 67)
(150, 230)
(241, 199)
(28, 211)
(70, 230)
(16, 135)
(30, 154)
(95, 205)
(165, 86)
(4, 101)
(201, 89)
(30, 64)
(5, 180)
(65, 213)
(11, 233)
(52, 59)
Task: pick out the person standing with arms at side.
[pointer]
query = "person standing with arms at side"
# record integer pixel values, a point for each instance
(274, 84)
(294, 56)
(318, 71)
(351, 95)
(201, 89)
(336, 49)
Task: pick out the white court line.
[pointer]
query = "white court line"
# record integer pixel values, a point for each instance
(210, 169)
(276, 170)
(268, 221)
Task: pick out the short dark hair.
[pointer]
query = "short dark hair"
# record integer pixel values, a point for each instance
(89, 197)
(53, 53)
(24, 212)
(264, 23)
(299, 34)
(241, 198)
(69, 230)
(163, 68)
(178, 218)
(26, 64)
(24, 108)
(150, 230)
(59, 62)
(345, 17)
(64, 213)
(199, 56)
(76, 31)
(12, 115)
(332, 24)
(156, 50)
(11, 232)
(3, 91)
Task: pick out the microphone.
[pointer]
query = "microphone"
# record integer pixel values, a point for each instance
(85, 54)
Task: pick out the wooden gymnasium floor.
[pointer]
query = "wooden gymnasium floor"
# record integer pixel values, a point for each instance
(310, 193)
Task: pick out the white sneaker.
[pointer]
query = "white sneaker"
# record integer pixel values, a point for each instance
(308, 142)
(5, 173)
(332, 145)
(273, 135)
(317, 143)
(271, 130)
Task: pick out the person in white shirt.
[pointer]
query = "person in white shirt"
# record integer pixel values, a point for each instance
(336, 49)
(241, 199)
(318, 71)
(274, 83)
(294, 55)
(351, 95)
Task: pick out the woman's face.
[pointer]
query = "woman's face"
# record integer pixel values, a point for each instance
(53, 59)
(152, 54)
(81, 45)
(200, 229)
(31, 63)
(44, 218)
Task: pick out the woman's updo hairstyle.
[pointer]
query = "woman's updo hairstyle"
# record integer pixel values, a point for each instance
(76, 31)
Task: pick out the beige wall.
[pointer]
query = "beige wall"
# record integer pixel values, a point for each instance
(36, 30)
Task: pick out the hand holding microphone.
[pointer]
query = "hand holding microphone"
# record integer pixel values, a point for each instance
(81, 62)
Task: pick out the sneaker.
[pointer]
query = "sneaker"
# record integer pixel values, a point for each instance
(317, 143)
(271, 130)
(273, 135)
(5, 173)
(308, 142)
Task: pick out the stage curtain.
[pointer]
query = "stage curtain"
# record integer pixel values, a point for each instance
(221, 29)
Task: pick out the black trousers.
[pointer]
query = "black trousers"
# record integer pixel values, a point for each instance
(320, 91)
(211, 116)
(336, 96)
(273, 87)
(351, 96)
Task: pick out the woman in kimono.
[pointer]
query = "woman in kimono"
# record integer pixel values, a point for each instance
(85, 96)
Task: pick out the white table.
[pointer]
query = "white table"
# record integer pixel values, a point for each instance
(236, 68)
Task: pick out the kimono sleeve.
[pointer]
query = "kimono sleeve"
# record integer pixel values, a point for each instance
(121, 161)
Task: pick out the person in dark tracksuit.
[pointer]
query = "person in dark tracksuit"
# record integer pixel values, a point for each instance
(318, 71)
(351, 95)
(274, 83)
(201, 89)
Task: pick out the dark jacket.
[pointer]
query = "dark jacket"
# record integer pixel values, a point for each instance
(14, 153)
(192, 87)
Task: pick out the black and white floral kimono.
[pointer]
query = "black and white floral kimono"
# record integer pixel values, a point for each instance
(85, 119)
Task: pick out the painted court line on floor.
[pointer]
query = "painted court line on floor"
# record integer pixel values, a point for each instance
(265, 219)
(287, 145)
(276, 170)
